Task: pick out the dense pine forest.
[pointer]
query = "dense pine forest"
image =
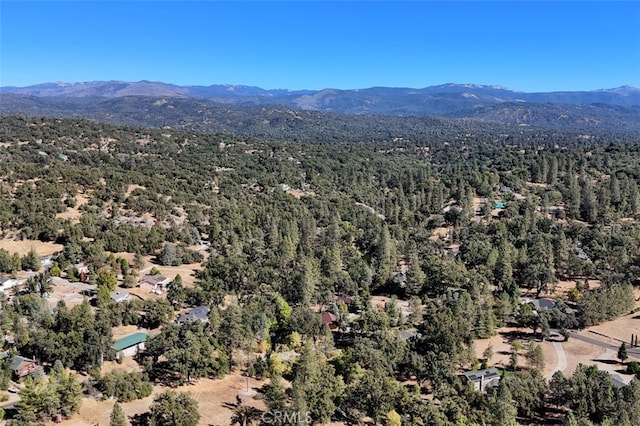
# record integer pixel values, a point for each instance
(454, 227)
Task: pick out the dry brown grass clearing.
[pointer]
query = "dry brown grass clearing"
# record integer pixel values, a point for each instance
(440, 233)
(216, 401)
(539, 185)
(133, 187)
(298, 193)
(563, 287)
(380, 301)
(23, 247)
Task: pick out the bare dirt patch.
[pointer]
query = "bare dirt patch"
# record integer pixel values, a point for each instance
(186, 272)
(550, 357)
(298, 193)
(216, 401)
(73, 213)
(127, 364)
(478, 202)
(131, 188)
(579, 352)
(619, 330)
(23, 247)
(403, 305)
(500, 346)
(563, 287)
(440, 233)
(70, 293)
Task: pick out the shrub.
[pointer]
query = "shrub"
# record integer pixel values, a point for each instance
(125, 386)
(634, 368)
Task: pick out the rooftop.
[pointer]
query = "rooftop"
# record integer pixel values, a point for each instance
(477, 375)
(199, 313)
(131, 340)
(154, 279)
(543, 303)
(119, 295)
(16, 360)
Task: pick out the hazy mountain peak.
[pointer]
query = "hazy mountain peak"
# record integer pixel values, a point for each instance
(445, 99)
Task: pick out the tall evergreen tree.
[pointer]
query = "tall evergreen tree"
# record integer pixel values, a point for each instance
(117, 417)
(622, 352)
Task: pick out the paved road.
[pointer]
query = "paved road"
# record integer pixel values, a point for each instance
(562, 360)
(599, 342)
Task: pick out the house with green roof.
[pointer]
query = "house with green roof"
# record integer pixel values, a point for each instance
(500, 205)
(130, 345)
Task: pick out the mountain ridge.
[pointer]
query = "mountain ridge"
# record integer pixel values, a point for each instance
(253, 111)
(431, 100)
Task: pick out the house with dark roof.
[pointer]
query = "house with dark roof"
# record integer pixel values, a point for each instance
(582, 255)
(328, 318)
(199, 313)
(20, 366)
(409, 334)
(546, 304)
(130, 345)
(346, 299)
(483, 380)
(542, 304)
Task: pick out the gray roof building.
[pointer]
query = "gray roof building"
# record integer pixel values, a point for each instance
(483, 380)
(199, 313)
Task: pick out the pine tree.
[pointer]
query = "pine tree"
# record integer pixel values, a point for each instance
(28, 404)
(535, 357)
(315, 385)
(67, 388)
(117, 416)
(275, 395)
(415, 276)
(385, 257)
(310, 282)
(393, 418)
(503, 409)
(173, 408)
(622, 353)
(487, 354)
(415, 306)
(570, 420)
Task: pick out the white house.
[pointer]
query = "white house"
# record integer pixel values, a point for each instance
(119, 296)
(7, 283)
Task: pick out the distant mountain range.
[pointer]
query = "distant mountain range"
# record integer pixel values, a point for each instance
(212, 107)
(434, 100)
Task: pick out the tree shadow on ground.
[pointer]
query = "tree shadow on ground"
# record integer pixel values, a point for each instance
(513, 335)
(607, 361)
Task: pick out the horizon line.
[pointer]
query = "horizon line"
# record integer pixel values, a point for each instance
(471, 86)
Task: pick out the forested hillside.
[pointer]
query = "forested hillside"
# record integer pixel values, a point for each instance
(455, 225)
(276, 119)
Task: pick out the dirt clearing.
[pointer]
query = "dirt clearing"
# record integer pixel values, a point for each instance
(216, 401)
(23, 247)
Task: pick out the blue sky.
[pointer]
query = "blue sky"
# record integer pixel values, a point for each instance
(528, 46)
